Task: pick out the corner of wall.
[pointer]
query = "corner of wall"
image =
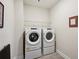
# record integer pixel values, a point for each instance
(62, 54)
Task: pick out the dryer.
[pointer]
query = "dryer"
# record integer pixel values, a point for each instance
(48, 41)
(32, 43)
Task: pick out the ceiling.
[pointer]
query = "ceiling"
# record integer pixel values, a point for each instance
(41, 3)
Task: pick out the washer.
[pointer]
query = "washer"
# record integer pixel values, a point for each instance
(32, 43)
(48, 41)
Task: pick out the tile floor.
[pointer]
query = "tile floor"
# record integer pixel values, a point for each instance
(52, 56)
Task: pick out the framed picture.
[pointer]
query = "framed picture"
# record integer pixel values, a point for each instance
(73, 21)
(1, 14)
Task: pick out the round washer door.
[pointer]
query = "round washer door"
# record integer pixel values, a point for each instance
(33, 38)
(49, 36)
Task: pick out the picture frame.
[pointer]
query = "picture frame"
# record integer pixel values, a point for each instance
(1, 15)
(73, 21)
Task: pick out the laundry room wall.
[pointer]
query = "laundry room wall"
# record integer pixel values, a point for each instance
(19, 29)
(7, 32)
(36, 16)
(67, 38)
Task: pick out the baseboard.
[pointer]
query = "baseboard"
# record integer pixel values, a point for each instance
(62, 54)
(18, 57)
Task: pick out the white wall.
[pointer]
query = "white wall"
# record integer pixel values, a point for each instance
(35, 16)
(67, 38)
(19, 28)
(13, 27)
(7, 32)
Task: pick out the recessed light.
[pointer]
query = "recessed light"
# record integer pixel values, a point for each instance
(38, 0)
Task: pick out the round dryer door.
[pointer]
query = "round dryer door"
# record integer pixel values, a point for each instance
(33, 38)
(49, 36)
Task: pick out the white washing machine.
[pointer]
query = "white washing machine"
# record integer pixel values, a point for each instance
(48, 41)
(32, 43)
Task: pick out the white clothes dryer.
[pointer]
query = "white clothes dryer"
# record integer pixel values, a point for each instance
(48, 41)
(32, 43)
